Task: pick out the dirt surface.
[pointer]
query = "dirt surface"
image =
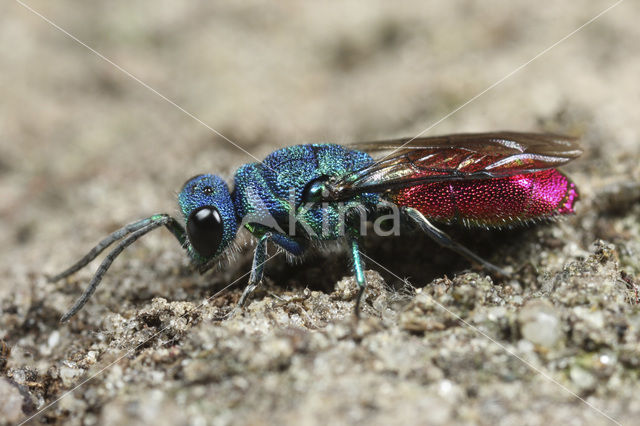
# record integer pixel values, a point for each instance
(85, 149)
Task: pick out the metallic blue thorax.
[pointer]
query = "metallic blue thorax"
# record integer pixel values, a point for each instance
(269, 196)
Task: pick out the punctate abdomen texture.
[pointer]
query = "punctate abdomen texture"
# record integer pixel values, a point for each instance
(493, 201)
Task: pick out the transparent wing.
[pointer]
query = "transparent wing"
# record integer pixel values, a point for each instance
(407, 162)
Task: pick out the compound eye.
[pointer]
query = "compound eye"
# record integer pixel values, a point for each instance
(204, 228)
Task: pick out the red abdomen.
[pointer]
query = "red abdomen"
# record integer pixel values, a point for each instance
(493, 201)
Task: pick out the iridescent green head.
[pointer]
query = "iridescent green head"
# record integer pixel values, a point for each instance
(210, 216)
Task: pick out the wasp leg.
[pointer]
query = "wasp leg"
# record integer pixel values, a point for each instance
(358, 267)
(257, 269)
(444, 240)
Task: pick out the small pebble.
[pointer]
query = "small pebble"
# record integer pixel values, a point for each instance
(539, 323)
(11, 406)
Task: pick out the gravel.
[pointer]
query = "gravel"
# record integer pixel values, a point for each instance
(84, 149)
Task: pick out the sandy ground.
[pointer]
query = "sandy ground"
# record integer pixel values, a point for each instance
(85, 149)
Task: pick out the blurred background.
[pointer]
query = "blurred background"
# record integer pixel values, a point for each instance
(85, 148)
